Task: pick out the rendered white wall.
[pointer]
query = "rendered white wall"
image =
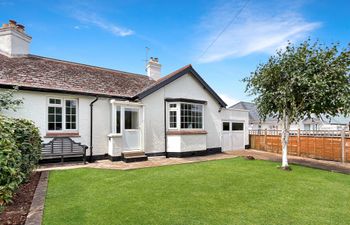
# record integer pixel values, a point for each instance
(35, 108)
(184, 87)
(185, 143)
(154, 122)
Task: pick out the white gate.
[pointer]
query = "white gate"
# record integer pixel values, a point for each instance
(232, 136)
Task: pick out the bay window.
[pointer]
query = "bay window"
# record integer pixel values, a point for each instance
(62, 114)
(185, 116)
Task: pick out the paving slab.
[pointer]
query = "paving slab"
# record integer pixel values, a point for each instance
(163, 161)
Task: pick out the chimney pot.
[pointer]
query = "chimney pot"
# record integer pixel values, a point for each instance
(20, 27)
(12, 23)
(154, 68)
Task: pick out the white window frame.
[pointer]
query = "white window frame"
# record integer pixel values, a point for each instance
(122, 118)
(138, 114)
(178, 116)
(235, 121)
(230, 125)
(63, 106)
(176, 109)
(114, 119)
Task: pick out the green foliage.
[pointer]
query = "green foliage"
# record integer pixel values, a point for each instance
(20, 145)
(304, 79)
(7, 101)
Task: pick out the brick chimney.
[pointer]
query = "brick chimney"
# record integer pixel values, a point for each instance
(14, 42)
(153, 68)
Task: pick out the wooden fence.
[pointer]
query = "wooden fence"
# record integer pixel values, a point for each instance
(326, 145)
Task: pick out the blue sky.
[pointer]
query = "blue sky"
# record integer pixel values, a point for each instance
(114, 34)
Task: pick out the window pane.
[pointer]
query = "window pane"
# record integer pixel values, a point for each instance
(191, 116)
(118, 125)
(131, 118)
(51, 109)
(70, 111)
(173, 119)
(225, 126)
(54, 118)
(55, 101)
(51, 118)
(58, 126)
(51, 126)
(237, 126)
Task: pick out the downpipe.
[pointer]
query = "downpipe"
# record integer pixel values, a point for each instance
(91, 128)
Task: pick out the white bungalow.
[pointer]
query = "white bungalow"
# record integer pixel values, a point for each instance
(114, 111)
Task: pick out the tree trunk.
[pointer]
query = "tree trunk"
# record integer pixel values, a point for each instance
(284, 139)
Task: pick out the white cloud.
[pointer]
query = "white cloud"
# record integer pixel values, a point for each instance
(96, 20)
(229, 100)
(259, 28)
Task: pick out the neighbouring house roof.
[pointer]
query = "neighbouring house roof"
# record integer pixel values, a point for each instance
(255, 118)
(336, 120)
(40, 73)
(253, 112)
(188, 69)
(46, 74)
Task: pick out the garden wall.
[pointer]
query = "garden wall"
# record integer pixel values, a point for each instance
(326, 145)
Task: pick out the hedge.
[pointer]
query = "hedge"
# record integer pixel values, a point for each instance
(20, 146)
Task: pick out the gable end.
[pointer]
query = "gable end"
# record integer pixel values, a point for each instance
(176, 75)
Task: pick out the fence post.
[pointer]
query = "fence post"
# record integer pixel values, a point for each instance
(265, 141)
(298, 142)
(343, 145)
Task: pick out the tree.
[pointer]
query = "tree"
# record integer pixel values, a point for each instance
(301, 80)
(8, 102)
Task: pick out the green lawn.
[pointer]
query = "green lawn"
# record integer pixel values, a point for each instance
(231, 191)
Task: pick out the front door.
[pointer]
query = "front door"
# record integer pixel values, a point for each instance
(132, 131)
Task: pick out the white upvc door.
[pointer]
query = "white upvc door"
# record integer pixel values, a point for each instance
(232, 135)
(132, 128)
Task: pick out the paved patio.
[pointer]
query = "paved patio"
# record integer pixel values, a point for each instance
(162, 161)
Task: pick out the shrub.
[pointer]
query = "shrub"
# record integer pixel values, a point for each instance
(20, 145)
(28, 141)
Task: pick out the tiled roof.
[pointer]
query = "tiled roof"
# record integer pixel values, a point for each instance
(336, 120)
(253, 111)
(44, 73)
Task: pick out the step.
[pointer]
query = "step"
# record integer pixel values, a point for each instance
(134, 156)
(135, 159)
(133, 153)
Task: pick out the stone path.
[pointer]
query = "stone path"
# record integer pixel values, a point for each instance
(120, 165)
(162, 161)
